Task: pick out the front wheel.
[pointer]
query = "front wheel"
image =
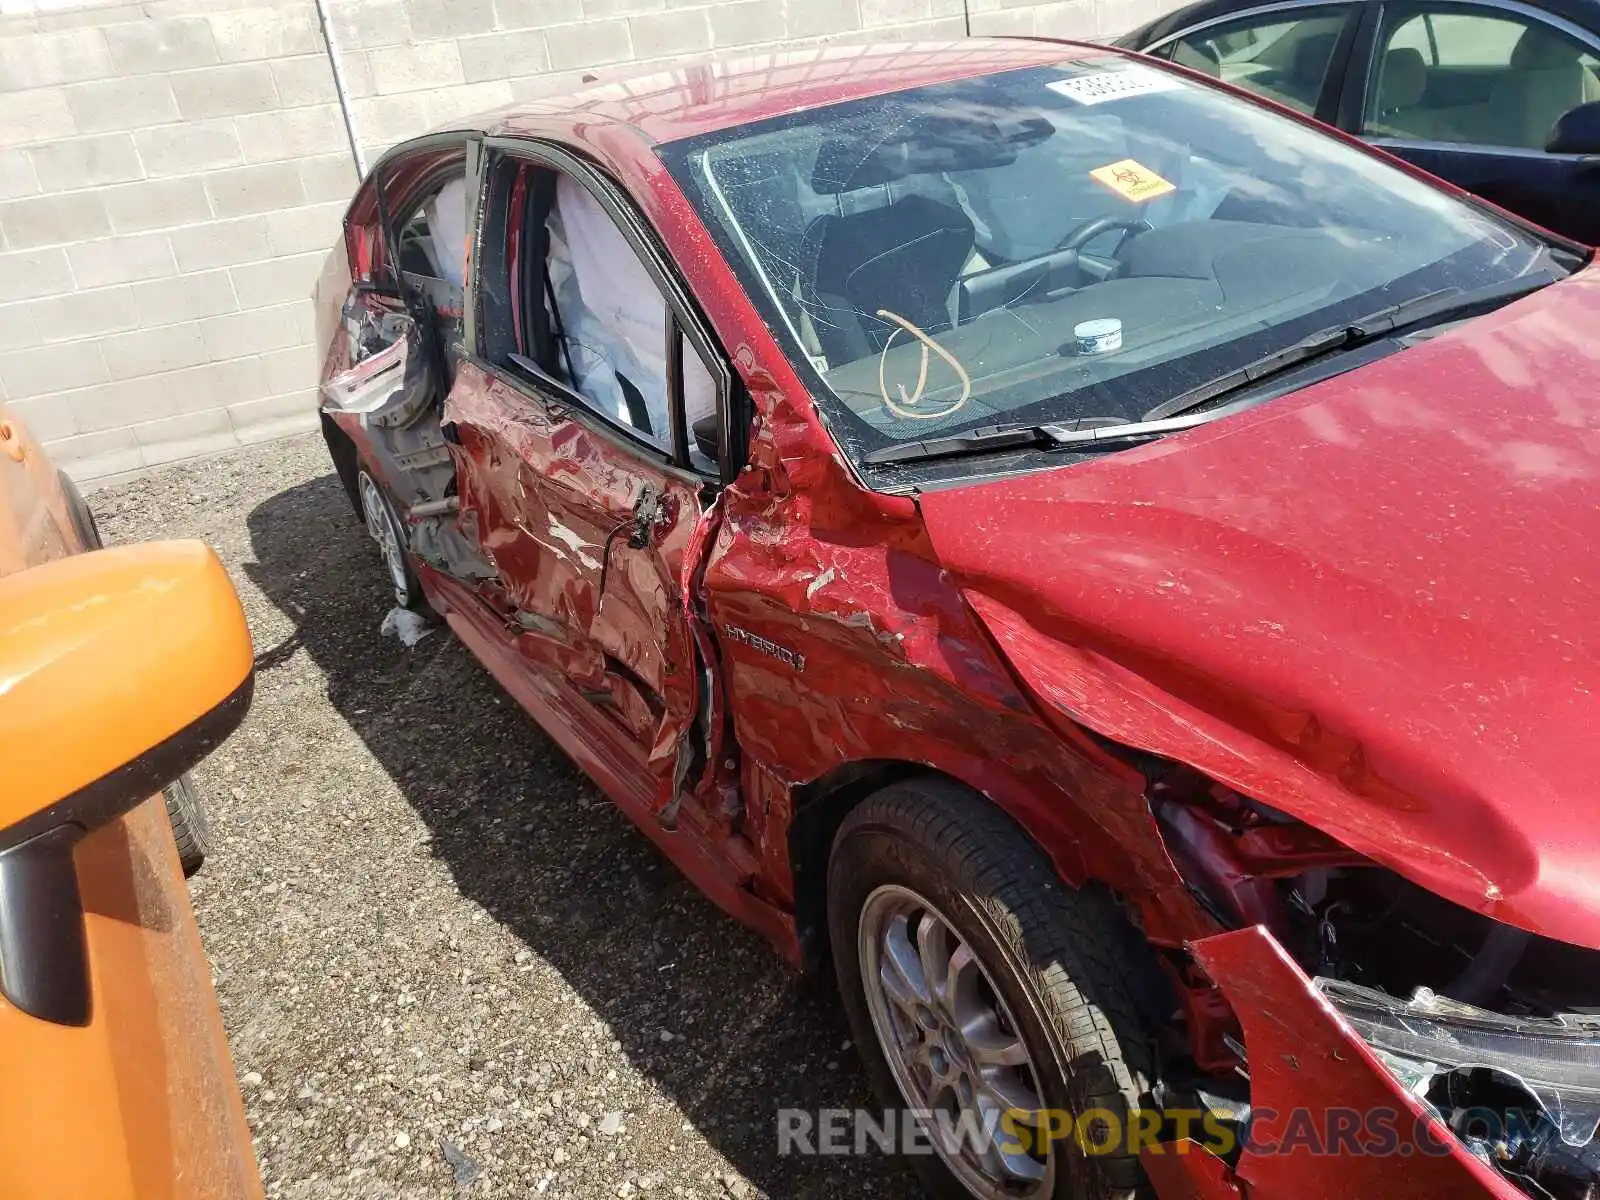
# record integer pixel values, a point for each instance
(1004, 1013)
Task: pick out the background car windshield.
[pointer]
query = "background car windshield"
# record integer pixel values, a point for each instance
(1073, 242)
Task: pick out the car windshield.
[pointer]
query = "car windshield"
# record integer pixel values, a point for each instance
(1078, 242)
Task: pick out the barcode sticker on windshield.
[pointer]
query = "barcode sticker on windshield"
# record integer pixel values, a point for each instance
(1131, 80)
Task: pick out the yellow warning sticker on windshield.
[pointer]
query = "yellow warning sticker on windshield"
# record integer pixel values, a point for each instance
(1133, 180)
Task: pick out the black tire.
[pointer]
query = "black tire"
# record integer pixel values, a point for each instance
(1083, 988)
(402, 575)
(186, 811)
(82, 515)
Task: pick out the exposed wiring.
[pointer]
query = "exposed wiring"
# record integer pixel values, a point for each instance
(922, 373)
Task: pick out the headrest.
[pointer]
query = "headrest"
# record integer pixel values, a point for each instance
(1312, 56)
(1198, 56)
(1404, 79)
(861, 200)
(1540, 50)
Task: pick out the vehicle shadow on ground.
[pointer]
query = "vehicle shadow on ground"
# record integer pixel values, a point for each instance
(526, 836)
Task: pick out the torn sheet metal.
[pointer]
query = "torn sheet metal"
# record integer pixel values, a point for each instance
(1186, 1170)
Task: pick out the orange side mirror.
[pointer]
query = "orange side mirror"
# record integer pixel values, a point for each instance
(119, 670)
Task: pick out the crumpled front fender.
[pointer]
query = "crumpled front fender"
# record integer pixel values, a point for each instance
(1329, 1123)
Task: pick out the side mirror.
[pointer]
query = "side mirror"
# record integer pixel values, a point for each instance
(119, 670)
(1576, 131)
(707, 434)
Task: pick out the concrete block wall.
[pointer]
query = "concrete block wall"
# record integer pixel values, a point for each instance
(173, 171)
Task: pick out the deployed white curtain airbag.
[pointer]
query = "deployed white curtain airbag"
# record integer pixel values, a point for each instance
(447, 230)
(609, 309)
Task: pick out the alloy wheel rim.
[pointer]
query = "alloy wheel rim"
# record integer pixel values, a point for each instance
(381, 528)
(951, 1043)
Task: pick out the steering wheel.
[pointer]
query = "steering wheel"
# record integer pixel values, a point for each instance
(1089, 230)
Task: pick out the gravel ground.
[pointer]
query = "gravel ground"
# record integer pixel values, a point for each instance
(447, 965)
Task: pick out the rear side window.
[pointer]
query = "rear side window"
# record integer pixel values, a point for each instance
(1283, 60)
(1449, 74)
(430, 245)
(433, 241)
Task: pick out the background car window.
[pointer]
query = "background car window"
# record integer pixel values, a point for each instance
(1283, 60)
(1447, 75)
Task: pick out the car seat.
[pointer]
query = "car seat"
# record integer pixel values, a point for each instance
(1308, 71)
(1401, 84)
(1547, 77)
(888, 246)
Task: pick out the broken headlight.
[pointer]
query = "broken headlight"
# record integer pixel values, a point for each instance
(1516, 1090)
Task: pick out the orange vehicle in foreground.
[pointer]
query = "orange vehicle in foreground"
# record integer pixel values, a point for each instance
(119, 670)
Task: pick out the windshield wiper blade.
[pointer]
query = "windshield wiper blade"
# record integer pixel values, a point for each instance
(1447, 302)
(995, 437)
(1427, 307)
(1108, 435)
(1324, 341)
(1083, 434)
(973, 441)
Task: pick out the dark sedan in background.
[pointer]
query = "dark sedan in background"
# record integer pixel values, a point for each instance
(1497, 97)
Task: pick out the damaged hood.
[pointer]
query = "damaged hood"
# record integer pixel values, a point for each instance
(1373, 604)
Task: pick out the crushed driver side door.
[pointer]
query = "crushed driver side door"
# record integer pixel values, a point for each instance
(578, 474)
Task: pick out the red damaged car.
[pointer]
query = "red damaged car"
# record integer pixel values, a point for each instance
(1106, 563)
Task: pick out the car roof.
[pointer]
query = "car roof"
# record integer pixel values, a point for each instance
(1585, 13)
(703, 97)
